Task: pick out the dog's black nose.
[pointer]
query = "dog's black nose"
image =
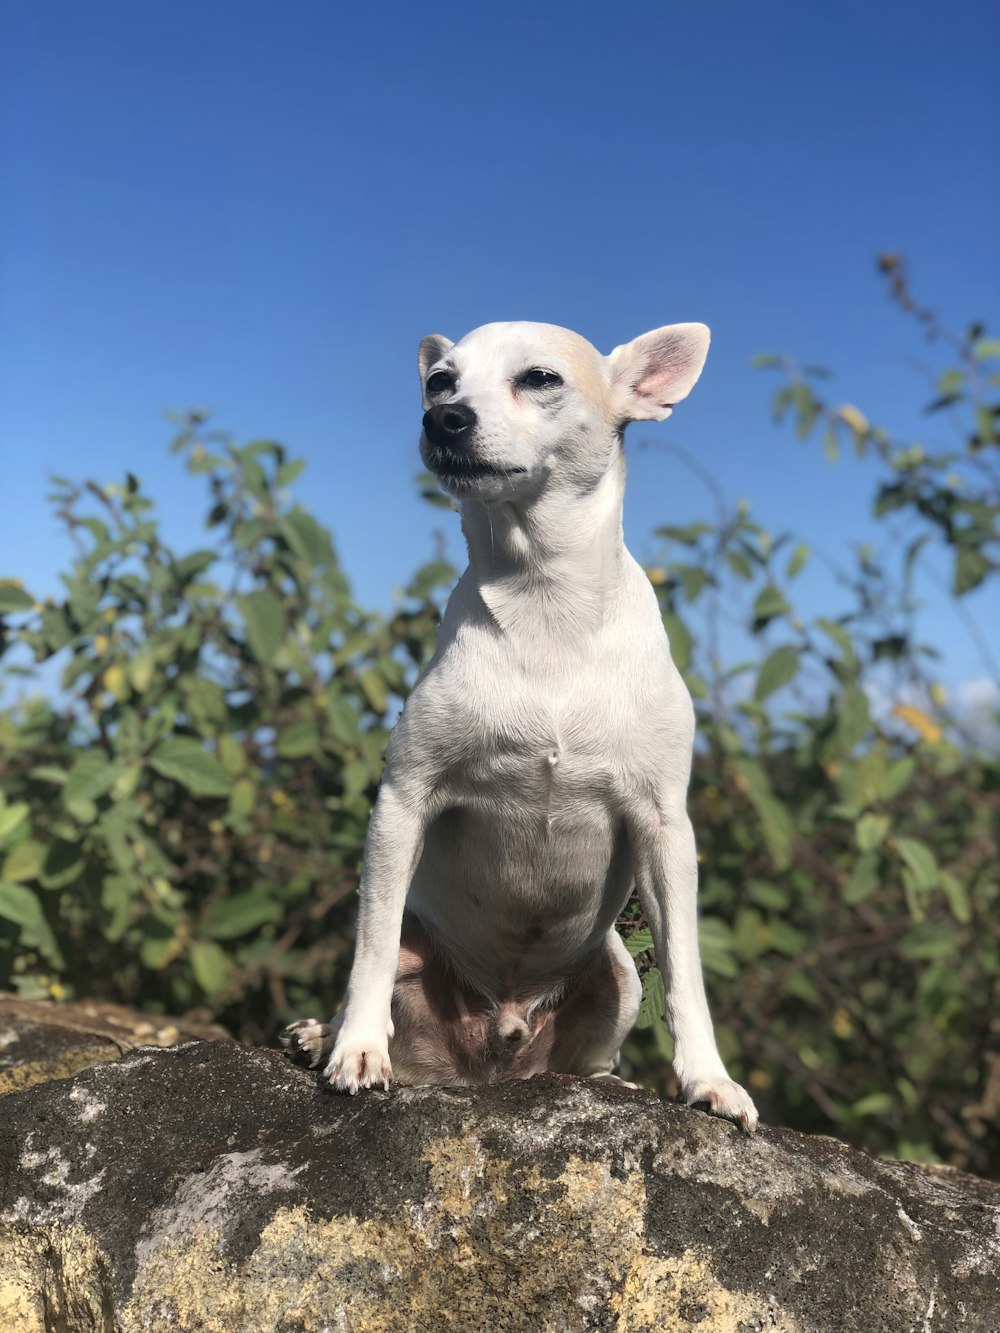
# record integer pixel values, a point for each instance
(449, 423)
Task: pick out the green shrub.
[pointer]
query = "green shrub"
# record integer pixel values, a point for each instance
(183, 825)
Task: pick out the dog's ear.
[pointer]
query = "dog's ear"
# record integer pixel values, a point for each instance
(432, 349)
(653, 372)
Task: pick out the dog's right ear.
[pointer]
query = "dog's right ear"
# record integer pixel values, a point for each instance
(432, 349)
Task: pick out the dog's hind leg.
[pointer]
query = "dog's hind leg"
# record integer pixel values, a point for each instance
(441, 1029)
(590, 1026)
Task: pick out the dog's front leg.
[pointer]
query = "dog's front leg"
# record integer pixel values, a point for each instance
(667, 883)
(360, 1056)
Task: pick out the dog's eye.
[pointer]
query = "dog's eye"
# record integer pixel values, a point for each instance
(541, 379)
(440, 382)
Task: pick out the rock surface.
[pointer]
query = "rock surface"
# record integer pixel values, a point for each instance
(213, 1188)
(40, 1039)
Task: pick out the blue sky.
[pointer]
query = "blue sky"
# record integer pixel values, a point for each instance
(262, 208)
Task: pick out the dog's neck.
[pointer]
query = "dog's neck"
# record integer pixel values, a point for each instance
(554, 562)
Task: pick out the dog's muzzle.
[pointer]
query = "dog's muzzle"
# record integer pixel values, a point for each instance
(449, 448)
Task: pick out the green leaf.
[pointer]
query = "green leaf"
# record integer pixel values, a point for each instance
(290, 471)
(750, 936)
(765, 361)
(307, 539)
(693, 579)
(679, 637)
(374, 689)
(117, 892)
(126, 782)
(204, 699)
(777, 670)
(864, 879)
(299, 740)
(971, 567)
(140, 672)
(23, 862)
(194, 564)
(161, 942)
(22, 906)
(786, 939)
(211, 965)
(875, 1103)
(344, 721)
(654, 999)
(770, 895)
(240, 914)
(233, 756)
(11, 819)
(436, 574)
(739, 564)
(775, 820)
(356, 777)
(717, 947)
(242, 799)
(91, 775)
(639, 941)
(986, 349)
(798, 559)
(853, 717)
(119, 827)
(870, 831)
(687, 536)
(839, 635)
(13, 597)
(185, 760)
(921, 862)
(264, 617)
(897, 778)
(64, 863)
(957, 897)
(770, 603)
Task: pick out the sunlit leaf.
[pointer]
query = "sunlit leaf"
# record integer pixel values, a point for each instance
(185, 760)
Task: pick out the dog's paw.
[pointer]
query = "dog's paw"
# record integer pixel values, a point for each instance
(724, 1098)
(307, 1042)
(358, 1062)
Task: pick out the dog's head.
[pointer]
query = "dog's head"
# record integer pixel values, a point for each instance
(512, 408)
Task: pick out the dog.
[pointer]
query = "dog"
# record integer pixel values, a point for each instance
(540, 766)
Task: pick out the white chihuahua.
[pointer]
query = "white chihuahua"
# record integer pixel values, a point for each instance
(541, 765)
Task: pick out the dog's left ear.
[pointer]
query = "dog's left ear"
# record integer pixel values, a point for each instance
(653, 372)
(432, 349)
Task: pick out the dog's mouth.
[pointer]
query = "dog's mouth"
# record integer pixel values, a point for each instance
(457, 469)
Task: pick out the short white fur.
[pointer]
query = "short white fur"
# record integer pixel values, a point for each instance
(542, 761)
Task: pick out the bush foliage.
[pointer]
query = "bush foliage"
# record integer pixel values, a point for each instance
(182, 820)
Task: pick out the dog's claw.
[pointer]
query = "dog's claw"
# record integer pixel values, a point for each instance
(306, 1041)
(356, 1065)
(723, 1098)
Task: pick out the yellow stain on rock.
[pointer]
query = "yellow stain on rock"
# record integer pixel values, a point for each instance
(61, 1064)
(493, 1245)
(52, 1279)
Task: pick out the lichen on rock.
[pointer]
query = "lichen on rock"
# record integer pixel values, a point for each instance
(213, 1189)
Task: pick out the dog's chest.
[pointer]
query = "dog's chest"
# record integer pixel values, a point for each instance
(534, 744)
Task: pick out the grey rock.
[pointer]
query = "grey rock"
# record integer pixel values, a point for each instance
(40, 1039)
(210, 1187)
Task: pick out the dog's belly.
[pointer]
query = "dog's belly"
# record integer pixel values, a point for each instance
(519, 891)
